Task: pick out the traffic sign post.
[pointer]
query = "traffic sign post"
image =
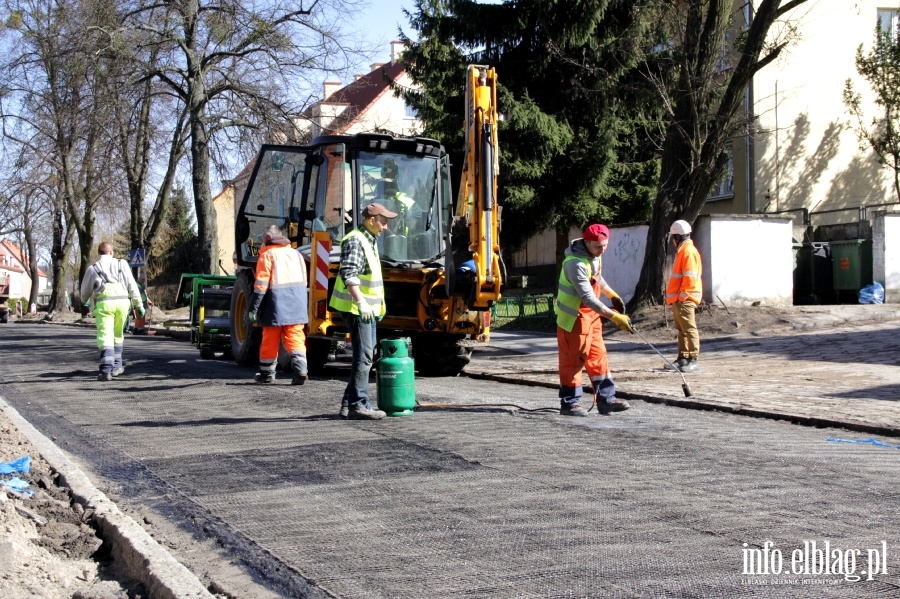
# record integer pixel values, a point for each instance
(136, 257)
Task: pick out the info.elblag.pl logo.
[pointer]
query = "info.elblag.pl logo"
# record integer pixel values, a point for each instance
(814, 559)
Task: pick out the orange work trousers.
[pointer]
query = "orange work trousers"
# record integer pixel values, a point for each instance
(581, 349)
(294, 341)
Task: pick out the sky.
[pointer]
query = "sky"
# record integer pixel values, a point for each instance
(380, 21)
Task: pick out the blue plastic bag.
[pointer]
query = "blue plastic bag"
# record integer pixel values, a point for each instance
(872, 294)
(21, 465)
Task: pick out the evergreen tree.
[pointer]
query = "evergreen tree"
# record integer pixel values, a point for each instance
(573, 146)
(176, 249)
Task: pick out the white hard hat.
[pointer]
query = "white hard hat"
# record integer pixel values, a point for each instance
(680, 227)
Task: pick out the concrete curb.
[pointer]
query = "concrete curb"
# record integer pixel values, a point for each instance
(141, 557)
(695, 404)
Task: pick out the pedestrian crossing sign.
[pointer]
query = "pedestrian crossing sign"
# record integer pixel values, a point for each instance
(136, 257)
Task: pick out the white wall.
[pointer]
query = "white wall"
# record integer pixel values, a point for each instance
(623, 258)
(746, 258)
(886, 254)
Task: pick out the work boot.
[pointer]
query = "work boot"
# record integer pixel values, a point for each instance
(690, 366)
(612, 405)
(571, 409)
(364, 411)
(298, 379)
(264, 377)
(105, 376)
(681, 361)
(118, 371)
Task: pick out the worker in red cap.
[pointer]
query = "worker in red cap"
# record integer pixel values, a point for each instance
(579, 323)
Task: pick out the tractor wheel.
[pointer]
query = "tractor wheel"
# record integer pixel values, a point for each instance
(245, 339)
(440, 355)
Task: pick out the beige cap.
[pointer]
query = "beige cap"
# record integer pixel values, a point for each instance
(376, 209)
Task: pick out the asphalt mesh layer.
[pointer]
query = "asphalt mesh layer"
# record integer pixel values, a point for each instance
(654, 502)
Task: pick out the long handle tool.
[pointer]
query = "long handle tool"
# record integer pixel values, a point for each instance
(684, 387)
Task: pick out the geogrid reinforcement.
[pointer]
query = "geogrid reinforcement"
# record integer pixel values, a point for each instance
(651, 502)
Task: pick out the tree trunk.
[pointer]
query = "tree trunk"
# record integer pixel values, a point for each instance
(63, 234)
(206, 214)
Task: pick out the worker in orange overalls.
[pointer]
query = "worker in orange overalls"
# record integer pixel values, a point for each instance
(579, 321)
(684, 293)
(279, 304)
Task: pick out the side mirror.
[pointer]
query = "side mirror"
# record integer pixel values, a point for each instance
(276, 161)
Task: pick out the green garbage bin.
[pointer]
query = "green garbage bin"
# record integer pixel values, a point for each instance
(851, 264)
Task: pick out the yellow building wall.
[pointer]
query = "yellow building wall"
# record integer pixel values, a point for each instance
(225, 211)
(807, 153)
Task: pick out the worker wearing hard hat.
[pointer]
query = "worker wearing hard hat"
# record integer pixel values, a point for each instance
(279, 305)
(684, 293)
(579, 331)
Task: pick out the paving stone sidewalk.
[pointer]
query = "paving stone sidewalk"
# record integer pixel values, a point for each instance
(837, 366)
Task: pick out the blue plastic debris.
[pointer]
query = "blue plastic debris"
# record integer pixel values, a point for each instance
(22, 465)
(871, 441)
(18, 485)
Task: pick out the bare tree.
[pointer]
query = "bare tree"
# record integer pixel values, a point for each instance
(54, 109)
(704, 105)
(881, 69)
(236, 68)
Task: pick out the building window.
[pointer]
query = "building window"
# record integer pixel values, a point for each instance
(726, 55)
(724, 188)
(410, 112)
(887, 21)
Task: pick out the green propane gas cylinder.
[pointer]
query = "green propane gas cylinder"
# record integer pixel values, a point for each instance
(396, 378)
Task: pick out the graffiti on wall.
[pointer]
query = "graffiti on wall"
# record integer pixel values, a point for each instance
(627, 249)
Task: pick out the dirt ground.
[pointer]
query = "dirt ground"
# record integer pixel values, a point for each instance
(48, 548)
(655, 322)
(47, 545)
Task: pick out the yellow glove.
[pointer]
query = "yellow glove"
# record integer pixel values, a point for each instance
(623, 322)
(617, 303)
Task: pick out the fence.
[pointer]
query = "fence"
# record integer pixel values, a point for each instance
(524, 307)
(805, 222)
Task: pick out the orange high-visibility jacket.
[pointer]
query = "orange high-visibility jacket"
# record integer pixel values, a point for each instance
(685, 284)
(280, 289)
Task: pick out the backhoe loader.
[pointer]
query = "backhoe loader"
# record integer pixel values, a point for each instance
(437, 297)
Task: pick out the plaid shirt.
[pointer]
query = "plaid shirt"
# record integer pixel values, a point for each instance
(353, 258)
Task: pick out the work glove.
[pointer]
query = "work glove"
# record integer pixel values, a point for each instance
(140, 311)
(617, 303)
(252, 317)
(623, 322)
(365, 312)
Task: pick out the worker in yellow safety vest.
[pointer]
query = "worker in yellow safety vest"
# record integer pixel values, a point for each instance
(359, 296)
(110, 288)
(579, 324)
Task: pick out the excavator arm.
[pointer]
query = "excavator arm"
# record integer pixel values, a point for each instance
(477, 200)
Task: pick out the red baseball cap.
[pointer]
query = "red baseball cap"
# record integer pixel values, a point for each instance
(596, 232)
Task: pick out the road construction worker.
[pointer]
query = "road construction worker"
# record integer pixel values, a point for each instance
(359, 295)
(579, 321)
(399, 200)
(684, 293)
(111, 289)
(279, 304)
